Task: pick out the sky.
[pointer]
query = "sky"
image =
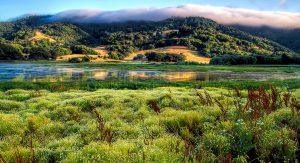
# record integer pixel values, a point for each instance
(14, 8)
(275, 13)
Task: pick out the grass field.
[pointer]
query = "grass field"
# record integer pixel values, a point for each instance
(164, 124)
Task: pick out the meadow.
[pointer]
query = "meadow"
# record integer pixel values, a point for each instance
(165, 124)
(152, 120)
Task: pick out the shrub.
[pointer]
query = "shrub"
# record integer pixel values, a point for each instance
(60, 51)
(11, 52)
(82, 49)
(79, 59)
(165, 57)
(188, 63)
(37, 53)
(139, 57)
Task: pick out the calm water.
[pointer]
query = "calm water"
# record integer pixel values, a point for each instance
(68, 72)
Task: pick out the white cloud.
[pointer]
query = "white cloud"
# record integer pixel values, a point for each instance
(224, 15)
(283, 2)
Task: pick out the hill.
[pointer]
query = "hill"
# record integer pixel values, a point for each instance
(204, 36)
(286, 37)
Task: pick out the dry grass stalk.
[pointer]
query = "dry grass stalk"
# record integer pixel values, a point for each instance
(18, 156)
(154, 106)
(2, 159)
(220, 105)
(106, 133)
(32, 151)
(286, 99)
(205, 99)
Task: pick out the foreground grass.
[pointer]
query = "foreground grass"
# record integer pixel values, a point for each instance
(165, 124)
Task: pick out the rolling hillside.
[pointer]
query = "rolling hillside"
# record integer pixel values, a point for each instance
(203, 37)
(191, 56)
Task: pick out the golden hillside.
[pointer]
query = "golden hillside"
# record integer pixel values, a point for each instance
(40, 36)
(189, 54)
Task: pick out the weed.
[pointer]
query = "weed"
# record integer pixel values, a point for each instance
(105, 132)
(154, 106)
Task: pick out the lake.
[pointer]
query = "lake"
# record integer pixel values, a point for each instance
(70, 72)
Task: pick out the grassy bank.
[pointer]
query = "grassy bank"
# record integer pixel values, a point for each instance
(148, 84)
(157, 125)
(176, 67)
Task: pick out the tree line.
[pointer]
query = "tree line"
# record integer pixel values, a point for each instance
(11, 51)
(255, 59)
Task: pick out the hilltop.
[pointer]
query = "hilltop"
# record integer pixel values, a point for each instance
(203, 36)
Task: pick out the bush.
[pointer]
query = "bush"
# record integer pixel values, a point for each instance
(11, 52)
(80, 59)
(165, 57)
(188, 63)
(82, 49)
(60, 51)
(139, 57)
(37, 53)
(113, 55)
(120, 52)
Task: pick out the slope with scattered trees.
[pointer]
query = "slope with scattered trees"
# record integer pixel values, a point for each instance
(205, 36)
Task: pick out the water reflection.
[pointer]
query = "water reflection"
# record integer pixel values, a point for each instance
(68, 72)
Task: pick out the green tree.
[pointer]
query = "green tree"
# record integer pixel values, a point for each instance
(37, 53)
(82, 49)
(60, 51)
(11, 52)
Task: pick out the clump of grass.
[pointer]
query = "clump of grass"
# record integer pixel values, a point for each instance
(8, 105)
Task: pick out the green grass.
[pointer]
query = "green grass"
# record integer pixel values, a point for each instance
(148, 84)
(169, 124)
(174, 67)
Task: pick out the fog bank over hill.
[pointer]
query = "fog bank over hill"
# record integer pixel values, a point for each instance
(224, 15)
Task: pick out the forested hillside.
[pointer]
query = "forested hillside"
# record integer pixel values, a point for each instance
(286, 37)
(207, 37)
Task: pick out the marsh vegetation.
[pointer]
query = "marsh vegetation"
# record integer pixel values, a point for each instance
(165, 124)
